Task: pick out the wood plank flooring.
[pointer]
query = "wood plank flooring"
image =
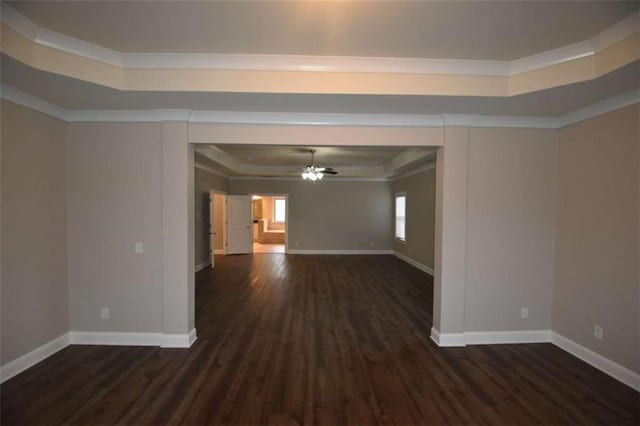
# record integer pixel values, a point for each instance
(332, 340)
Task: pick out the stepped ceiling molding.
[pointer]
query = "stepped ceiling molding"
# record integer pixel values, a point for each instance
(54, 52)
(250, 161)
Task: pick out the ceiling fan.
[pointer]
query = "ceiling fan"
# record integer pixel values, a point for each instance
(313, 172)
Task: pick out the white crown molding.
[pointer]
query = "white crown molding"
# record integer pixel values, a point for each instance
(551, 57)
(429, 166)
(22, 25)
(511, 121)
(19, 97)
(30, 359)
(18, 22)
(78, 47)
(600, 108)
(365, 120)
(617, 32)
(255, 62)
(317, 119)
(209, 169)
(612, 368)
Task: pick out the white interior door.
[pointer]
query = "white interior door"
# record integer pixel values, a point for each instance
(239, 232)
(212, 229)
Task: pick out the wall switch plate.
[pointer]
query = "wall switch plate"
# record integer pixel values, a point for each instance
(598, 331)
(139, 248)
(524, 312)
(104, 313)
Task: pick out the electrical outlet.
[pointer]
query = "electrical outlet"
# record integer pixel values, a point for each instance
(524, 312)
(373, 243)
(598, 332)
(104, 313)
(139, 248)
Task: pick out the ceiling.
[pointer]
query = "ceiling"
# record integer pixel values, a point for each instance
(455, 30)
(70, 93)
(283, 160)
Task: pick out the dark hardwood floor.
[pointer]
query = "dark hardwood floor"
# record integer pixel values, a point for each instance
(329, 340)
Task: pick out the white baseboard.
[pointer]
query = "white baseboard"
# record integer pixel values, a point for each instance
(607, 366)
(506, 337)
(413, 262)
(490, 337)
(164, 340)
(612, 368)
(304, 251)
(219, 251)
(447, 339)
(201, 266)
(40, 353)
(179, 340)
(30, 359)
(115, 338)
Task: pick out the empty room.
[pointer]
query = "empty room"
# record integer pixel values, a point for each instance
(320, 212)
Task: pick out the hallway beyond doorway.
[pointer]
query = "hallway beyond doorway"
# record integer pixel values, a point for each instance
(268, 248)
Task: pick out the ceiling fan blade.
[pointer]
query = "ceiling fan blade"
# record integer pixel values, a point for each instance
(330, 172)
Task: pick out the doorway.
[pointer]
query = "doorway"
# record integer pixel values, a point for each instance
(269, 217)
(217, 221)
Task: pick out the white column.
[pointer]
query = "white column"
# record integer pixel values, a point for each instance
(450, 238)
(177, 235)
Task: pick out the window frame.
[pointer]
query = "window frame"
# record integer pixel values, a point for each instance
(397, 195)
(275, 200)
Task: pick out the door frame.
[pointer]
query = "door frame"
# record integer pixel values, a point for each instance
(212, 253)
(286, 215)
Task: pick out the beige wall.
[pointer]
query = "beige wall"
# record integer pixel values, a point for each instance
(510, 228)
(597, 277)
(114, 187)
(204, 182)
(34, 261)
(420, 210)
(331, 215)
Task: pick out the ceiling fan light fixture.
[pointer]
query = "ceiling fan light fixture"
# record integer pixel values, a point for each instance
(314, 173)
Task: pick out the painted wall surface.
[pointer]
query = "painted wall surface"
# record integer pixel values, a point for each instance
(331, 215)
(510, 228)
(420, 220)
(204, 182)
(597, 257)
(34, 261)
(114, 196)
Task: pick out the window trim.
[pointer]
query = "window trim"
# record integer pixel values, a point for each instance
(395, 217)
(274, 209)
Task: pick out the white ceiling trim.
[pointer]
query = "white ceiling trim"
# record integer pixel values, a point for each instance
(599, 108)
(326, 179)
(429, 166)
(209, 169)
(21, 24)
(21, 98)
(318, 119)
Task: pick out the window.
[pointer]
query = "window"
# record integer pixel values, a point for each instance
(401, 217)
(279, 210)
